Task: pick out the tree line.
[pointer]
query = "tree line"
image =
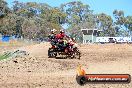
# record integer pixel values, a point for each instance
(35, 20)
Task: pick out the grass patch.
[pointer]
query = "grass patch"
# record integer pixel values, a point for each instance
(5, 56)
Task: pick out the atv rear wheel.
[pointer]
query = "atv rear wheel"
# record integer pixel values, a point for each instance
(51, 53)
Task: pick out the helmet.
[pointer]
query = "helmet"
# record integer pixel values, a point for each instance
(53, 30)
(61, 31)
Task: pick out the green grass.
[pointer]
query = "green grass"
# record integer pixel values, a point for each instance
(2, 57)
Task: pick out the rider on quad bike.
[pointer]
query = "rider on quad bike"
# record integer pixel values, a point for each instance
(52, 38)
(61, 44)
(65, 43)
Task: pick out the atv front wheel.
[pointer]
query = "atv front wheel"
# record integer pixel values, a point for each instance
(77, 54)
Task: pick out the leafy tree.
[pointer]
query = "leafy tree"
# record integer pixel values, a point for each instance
(4, 10)
(128, 24)
(35, 20)
(77, 17)
(76, 12)
(104, 23)
(120, 21)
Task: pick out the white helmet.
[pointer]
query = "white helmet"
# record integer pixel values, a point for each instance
(53, 30)
(62, 30)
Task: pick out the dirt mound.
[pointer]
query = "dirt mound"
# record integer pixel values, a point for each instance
(37, 70)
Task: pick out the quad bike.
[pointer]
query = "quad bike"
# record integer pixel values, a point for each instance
(69, 51)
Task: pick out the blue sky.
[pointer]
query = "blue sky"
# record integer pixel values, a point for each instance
(99, 6)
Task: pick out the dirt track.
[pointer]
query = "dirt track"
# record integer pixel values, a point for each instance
(39, 71)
